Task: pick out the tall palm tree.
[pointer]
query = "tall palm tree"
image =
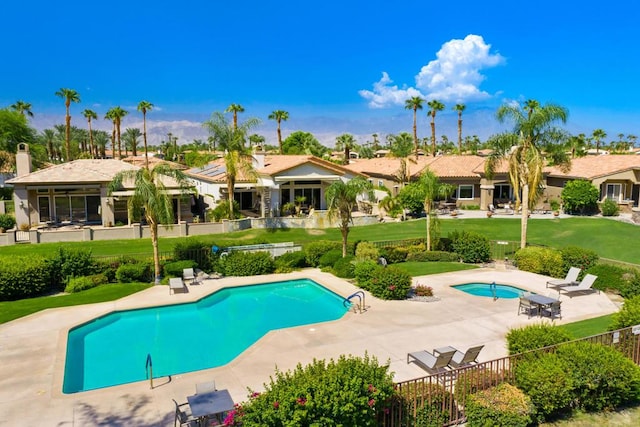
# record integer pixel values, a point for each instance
(598, 135)
(256, 140)
(341, 199)
(110, 115)
(117, 114)
(434, 106)
(346, 142)
(150, 197)
(576, 145)
(69, 96)
(237, 157)
(235, 109)
(143, 107)
(532, 123)
(101, 138)
(279, 115)
(131, 136)
(48, 138)
(90, 115)
(459, 108)
(23, 108)
(415, 104)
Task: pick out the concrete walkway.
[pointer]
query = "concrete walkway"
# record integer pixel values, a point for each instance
(32, 349)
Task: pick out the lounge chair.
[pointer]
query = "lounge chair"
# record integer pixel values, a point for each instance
(469, 357)
(429, 362)
(183, 416)
(175, 284)
(570, 280)
(187, 274)
(586, 285)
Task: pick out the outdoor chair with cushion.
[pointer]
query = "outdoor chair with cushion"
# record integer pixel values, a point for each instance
(205, 387)
(176, 284)
(527, 306)
(183, 416)
(187, 274)
(553, 310)
(570, 280)
(586, 285)
(429, 362)
(469, 357)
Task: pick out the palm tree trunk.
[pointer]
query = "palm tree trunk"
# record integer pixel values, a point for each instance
(90, 138)
(525, 215)
(153, 228)
(415, 131)
(344, 230)
(433, 135)
(67, 135)
(230, 185)
(460, 133)
(144, 137)
(279, 137)
(427, 209)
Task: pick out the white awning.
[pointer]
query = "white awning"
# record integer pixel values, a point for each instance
(307, 178)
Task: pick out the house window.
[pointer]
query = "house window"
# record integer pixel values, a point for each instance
(614, 192)
(465, 192)
(44, 208)
(502, 191)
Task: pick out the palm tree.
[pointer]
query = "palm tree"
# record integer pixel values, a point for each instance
(532, 124)
(459, 108)
(22, 108)
(237, 158)
(90, 115)
(279, 115)
(429, 188)
(151, 198)
(143, 107)
(434, 106)
(48, 138)
(131, 136)
(576, 145)
(110, 115)
(100, 140)
(346, 142)
(341, 199)
(235, 109)
(116, 114)
(598, 135)
(69, 96)
(415, 104)
(257, 140)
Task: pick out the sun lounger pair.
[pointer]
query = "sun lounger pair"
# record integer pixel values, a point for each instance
(570, 280)
(586, 285)
(443, 358)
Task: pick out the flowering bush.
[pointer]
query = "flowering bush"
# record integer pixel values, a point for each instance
(390, 283)
(349, 392)
(423, 290)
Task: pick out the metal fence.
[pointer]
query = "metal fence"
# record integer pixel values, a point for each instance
(445, 393)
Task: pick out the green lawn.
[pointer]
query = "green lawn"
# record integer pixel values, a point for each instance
(625, 417)
(589, 327)
(10, 310)
(425, 268)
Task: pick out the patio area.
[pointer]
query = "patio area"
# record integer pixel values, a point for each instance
(32, 349)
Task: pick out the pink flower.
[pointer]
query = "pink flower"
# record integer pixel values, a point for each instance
(372, 402)
(392, 287)
(255, 394)
(276, 405)
(372, 389)
(301, 401)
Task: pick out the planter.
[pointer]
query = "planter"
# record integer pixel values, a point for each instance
(454, 213)
(489, 214)
(556, 213)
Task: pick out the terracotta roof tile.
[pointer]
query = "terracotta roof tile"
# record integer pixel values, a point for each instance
(83, 170)
(591, 167)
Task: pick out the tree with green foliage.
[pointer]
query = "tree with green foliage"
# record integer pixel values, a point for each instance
(144, 107)
(579, 197)
(90, 115)
(131, 138)
(532, 123)
(235, 109)
(278, 116)
(459, 108)
(300, 142)
(434, 106)
(414, 103)
(69, 96)
(346, 142)
(23, 108)
(598, 135)
(117, 114)
(342, 199)
(151, 199)
(14, 129)
(237, 156)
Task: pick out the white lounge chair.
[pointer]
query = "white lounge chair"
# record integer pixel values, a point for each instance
(469, 357)
(176, 284)
(187, 274)
(570, 280)
(586, 285)
(429, 362)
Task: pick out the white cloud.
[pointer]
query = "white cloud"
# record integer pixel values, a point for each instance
(453, 76)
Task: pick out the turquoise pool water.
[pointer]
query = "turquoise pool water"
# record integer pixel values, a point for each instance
(490, 290)
(112, 349)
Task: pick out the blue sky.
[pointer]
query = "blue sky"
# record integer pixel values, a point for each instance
(335, 66)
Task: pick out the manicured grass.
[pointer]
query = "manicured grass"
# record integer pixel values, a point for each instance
(624, 417)
(10, 310)
(589, 327)
(424, 268)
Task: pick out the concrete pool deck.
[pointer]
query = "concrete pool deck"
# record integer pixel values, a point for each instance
(32, 349)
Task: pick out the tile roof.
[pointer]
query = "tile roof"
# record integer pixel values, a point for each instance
(442, 166)
(457, 166)
(77, 171)
(591, 167)
(139, 161)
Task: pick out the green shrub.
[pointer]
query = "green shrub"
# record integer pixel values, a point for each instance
(139, 272)
(423, 291)
(574, 256)
(315, 250)
(431, 403)
(580, 197)
(330, 258)
(108, 268)
(194, 250)
(394, 254)
(628, 315)
(174, 269)
(221, 211)
(247, 264)
(77, 284)
(470, 207)
(24, 277)
(433, 256)
(390, 283)
(364, 272)
(367, 251)
(470, 381)
(344, 267)
(290, 261)
(603, 378)
(535, 336)
(502, 405)
(633, 287)
(7, 222)
(348, 392)
(610, 208)
(68, 263)
(539, 260)
(472, 247)
(548, 382)
(612, 278)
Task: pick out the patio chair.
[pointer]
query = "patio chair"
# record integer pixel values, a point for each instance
(183, 415)
(429, 362)
(187, 274)
(527, 306)
(553, 310)
(176, 284)
(467, 358)
(586, 285)
(570, 280)
(205, 387)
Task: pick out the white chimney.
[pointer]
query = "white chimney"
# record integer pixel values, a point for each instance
(23, 160)
(258, 161)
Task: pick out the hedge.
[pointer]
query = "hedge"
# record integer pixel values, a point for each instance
(138, 272)
(502, 405)
(24, 278)
(175, 269)
(247, 264)
(535, 336)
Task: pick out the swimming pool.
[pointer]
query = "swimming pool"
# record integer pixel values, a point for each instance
(112, 349)
(490, 290)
